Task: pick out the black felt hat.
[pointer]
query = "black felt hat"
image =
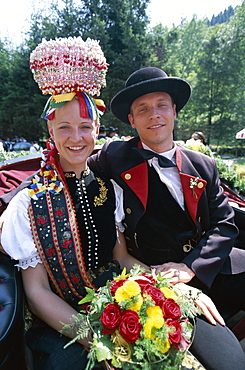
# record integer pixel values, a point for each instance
(103, 128)
(145, 81)
(112, 129)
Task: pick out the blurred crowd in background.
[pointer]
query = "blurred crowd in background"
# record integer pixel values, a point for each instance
(19, 144)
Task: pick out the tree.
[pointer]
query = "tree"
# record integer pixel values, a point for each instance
(20, 115)
(219, 71)
(5, 56)
(119, 25)
(121, 28)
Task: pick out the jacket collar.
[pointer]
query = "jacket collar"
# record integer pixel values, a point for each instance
(137, 180)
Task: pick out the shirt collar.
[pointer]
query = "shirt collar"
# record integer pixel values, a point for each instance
(170, 154)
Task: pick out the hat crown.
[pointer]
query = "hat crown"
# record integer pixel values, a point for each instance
(145, 74)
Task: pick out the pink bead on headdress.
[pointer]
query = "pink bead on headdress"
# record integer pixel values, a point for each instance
(66, 67)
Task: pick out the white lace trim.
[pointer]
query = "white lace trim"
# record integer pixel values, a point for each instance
(29, 262)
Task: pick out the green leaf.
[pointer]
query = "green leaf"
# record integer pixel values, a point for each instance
(89, 297)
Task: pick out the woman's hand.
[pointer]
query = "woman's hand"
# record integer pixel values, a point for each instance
(86, 342)
(203, 302)
(47, 305)
(177, 272)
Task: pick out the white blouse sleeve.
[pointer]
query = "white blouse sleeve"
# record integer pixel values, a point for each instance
(119, 212)
(16, 237)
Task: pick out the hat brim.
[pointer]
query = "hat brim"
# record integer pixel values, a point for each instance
(177, 88)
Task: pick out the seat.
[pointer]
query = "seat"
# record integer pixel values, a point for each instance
(13, 353)
(12, 344)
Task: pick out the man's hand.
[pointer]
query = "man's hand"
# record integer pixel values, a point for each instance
(203, 302)
(177, 272)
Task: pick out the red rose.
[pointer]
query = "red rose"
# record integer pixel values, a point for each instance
(62, 284)
(59, 212)
(41, 220)
(171, 309)
(116, 285)
(149, 277)
(110, 318)
(176, 335)
(50, 252)
(155, 293)
(74, 279)
(67, 243)
(142, 283)
(130, 326)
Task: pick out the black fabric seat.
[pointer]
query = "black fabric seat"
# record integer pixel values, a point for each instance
(12, 345)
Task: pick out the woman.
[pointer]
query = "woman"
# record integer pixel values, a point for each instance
(198, 135)
(62, 230)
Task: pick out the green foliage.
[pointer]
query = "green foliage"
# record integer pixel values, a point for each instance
(228, 174)
(222, 17)
(4, 156)
(151, 348)
(210, 58)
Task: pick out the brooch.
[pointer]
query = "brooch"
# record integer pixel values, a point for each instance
(99, 200)
(195, 183)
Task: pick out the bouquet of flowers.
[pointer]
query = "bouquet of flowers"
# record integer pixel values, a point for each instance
(138, 321)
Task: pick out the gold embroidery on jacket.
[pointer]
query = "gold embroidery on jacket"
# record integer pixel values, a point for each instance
(99, 200)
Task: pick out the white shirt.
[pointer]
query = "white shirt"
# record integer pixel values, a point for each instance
(16, 237)
(170, 175)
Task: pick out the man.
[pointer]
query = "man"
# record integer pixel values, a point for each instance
(102, 132)
(112, 133)
(35, 147)
(175, 217)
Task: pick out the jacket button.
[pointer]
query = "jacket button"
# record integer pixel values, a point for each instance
(127, 237)
(200, 185)
(128, 210)
(125, 225)
(127, 176)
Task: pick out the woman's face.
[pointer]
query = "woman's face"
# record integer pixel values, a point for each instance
(73, 135)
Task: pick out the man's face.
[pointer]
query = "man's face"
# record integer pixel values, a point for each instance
(153, 115)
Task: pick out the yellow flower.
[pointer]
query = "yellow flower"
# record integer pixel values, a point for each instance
(120, 294)
(156, 316)
(168, 293)
(132, 288)
(137, 305)
(128, 290)
(148, 329)
(163, 346)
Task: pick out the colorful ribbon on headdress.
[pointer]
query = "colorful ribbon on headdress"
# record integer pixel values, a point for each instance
(89, 107)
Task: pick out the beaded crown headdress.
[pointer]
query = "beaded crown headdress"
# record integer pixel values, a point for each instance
(66, 67)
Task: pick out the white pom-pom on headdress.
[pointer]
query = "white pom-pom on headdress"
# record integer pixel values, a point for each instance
(69, 65)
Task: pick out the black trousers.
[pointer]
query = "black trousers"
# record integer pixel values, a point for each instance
(227, 293)
(215, 347)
